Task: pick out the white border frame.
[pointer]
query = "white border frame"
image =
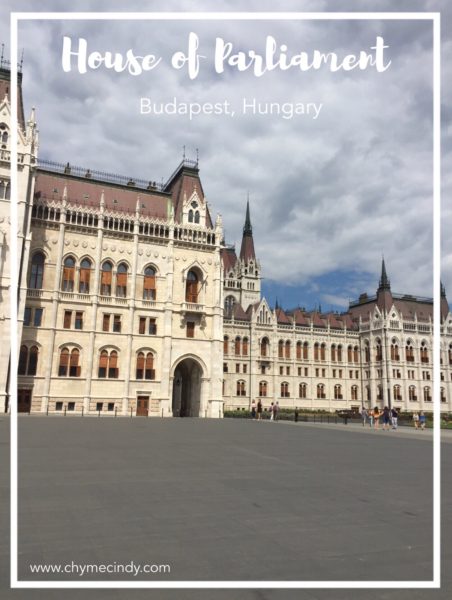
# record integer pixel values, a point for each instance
(243, 16)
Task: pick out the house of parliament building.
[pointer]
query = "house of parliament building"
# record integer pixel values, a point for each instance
(131, 303)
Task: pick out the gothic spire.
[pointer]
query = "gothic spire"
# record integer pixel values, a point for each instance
(384, 281)
(247, 249)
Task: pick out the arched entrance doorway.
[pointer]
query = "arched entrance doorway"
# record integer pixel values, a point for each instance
(187, 389)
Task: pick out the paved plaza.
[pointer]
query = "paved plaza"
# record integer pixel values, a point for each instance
(230, 499)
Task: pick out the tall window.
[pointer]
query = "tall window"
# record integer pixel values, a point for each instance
(339, 353)
(397, 393)
(409, 352)
(280, 349)
(192, 287)
(320, 391)
(225, 345)
(37, 271)
(395, 351)
(349, 354)
(85, 276)
(378, 354)
(68, 274)
(316, 351)
(302, 390)
(424, 353)
(264, 347)
(149, 290)
(305, 351)
(427, 397)
(237, 346)
(121, 281)
(354, 392)
(333, 353)
(241, 390)
(262, 388)
(108, 364)
(145, 366)
(366, 352)
(356, 354)
(323, 352)
(245, 346)
(105, 279)
(229, 306)
(285, 390)
(337, 392)
(28, 360)
(450, 354)
(299, 350)
(69, 363)
(412, 393)
(287, 350)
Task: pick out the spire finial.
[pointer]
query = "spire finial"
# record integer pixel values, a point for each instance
(443, 290)
(384, 281)
(247, 229)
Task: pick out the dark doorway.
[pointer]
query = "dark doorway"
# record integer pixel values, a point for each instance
(187, 389)
(23, 401)
(142, 406)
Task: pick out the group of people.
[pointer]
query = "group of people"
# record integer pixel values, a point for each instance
(390, 418)
(257, 410)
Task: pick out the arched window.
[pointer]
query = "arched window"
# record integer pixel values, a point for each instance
(285, 390)
(316, 351)
(333, 353)
(366, 351)
(145, 366)
(302, 390)
(320, 391)
(85, 276)
(23, 360)
(397, 393)
(237, 346)
(378, 353)
(197, 216)
(264, 347)
(225, 345)
(427, 397)
(241, 389)
(263, 389)
(280, 349)
(450, 354)
(105, 280)
(229, 306)
(339, 353)
(121, 281)
(192, 287)
(356, 354)
(424, 353)
(338, 392)
(190, 216)
(299, 350)
(64, 363)
(149, 289)
(443, 395)
(287, 350)
(395, 350)
(37, 271)
(368, 393)
(68, 274)
(305, 351)
(108, 364)
(74, 367)
(323, 352)
(354, 392)
(349, 354)
(412, 393)
(32, 361)
(245, 346)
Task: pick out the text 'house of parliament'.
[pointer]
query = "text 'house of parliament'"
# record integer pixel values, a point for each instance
(130, 303)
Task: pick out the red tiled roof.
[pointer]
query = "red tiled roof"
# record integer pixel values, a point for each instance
(247, 248)
(239, 314)
(281, 317)
(229, 258)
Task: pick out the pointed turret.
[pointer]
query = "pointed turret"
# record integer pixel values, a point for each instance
(247, 249)
(444, 306)
(384, 296)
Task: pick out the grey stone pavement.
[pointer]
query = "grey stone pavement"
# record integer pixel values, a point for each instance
(226, 499)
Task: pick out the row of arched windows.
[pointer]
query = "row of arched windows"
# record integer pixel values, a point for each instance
(240, 346)
(111, 280)
(395, 353)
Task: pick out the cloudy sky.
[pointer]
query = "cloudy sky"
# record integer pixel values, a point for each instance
(328, 196)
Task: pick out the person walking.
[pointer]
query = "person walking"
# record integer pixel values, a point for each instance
(364, 416)
(275, 411)
(386, 418)
(253, 409)
(259, 410)
(376, 415)
(416, 420)
(394, 417)
(422, 420)
(272, 412)
(371, 419)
